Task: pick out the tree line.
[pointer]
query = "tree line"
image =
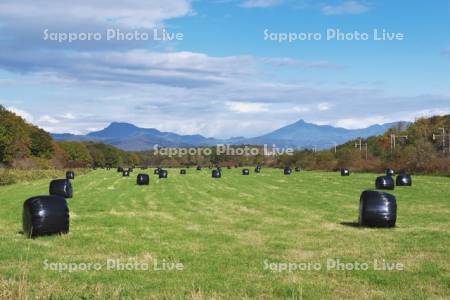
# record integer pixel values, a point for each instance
(419, 147)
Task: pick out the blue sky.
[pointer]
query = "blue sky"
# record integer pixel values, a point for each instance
(223, 78)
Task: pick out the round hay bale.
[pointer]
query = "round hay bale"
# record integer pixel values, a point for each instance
(156, 171)
(403, 180)
(245, 172)
(130, 170)
(199, 168)
(258, 169)
(61, 187)
(345, 172)
(183, 172)
(297, 169)
(287, 171)
(119, 169)
(45, 215)
(216, 174)
(143, 179)
(384, 183)
(377, 209)
(163, 174)
(390, 172)
(70, 175)
(125, 173)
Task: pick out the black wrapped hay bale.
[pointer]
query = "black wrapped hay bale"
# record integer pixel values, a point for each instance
(61, 187)
(403, 180)
(345, 172)
(297, 169)
(384, 183)
(156, 171)
(45, 215)
(143, 179)
(130, 170)
(246, 172)
(183, 172)
(287, 171)
(126, 173)
(390, 172)
(216, 174)
(163, 173)
(70, 175)
(377, 209)
(199, 168)
(258, 169)
(119, 170)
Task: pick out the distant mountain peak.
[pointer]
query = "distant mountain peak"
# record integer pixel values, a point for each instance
(300, 134)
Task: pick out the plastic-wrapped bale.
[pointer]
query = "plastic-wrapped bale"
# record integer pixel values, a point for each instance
(384, 183)
(377, 209)
(390, 172)
(183, 172)
(258, 169)
(403, 180)
(61, 187)
(345, 172)
(156, 171)
(216, 174)
(130, 170)
(199, 168)
(245, 172)
(126, 173)
(163, 174)
(297, 169)
(70, 175)
(143, 179)
(119, 170)
(287, 171)
(45, 215)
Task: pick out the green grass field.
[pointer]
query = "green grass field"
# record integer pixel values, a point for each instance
(224, 232)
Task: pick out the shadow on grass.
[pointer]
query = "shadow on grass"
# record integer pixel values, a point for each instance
(351, 224)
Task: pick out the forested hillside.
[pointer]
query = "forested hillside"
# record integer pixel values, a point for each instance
(421, 147)
(25, 146)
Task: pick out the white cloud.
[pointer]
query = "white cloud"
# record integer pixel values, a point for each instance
(346, 7)
(324, 106)
(356, 123)
(46, 119)
(242, 107)
(129, 13)
(20, 112)
(260, 3)
(68, 116)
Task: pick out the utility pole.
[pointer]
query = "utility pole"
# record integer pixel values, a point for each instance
(394, 139)
(359, 145)
(443, 139)
(367, 152)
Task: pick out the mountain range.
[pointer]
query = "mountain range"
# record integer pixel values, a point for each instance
(297, 135)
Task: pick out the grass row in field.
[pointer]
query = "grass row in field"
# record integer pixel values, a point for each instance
(12, 176)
